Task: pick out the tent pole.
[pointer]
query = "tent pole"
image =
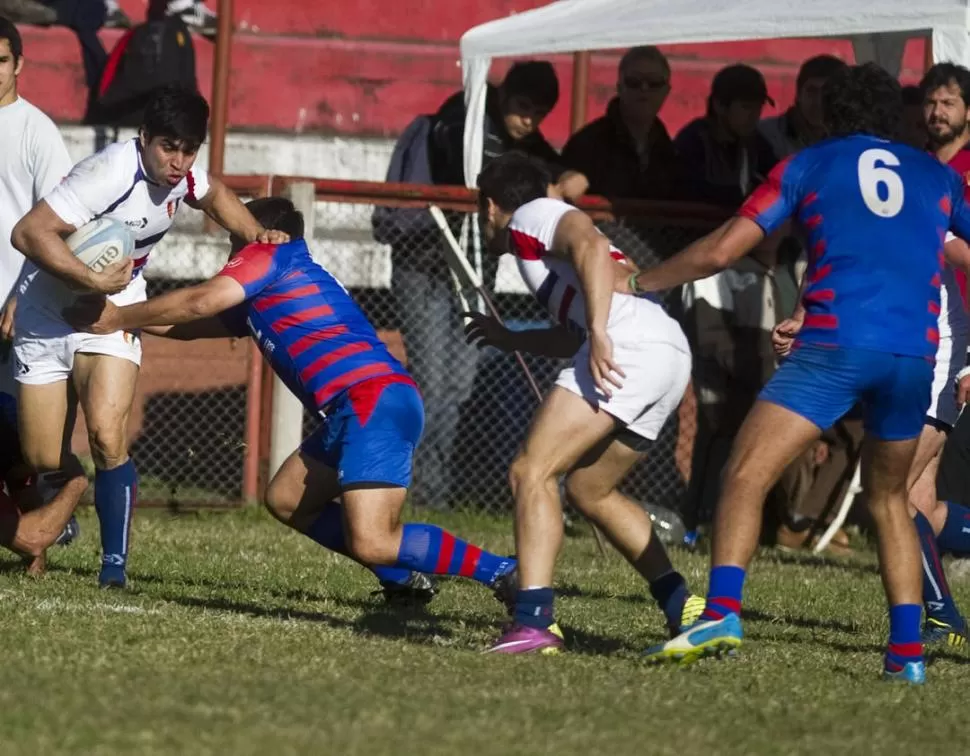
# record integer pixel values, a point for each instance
(220, 88)
(928, 52)
(577, 117)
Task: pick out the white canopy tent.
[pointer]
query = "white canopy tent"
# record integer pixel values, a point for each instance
(572, 25)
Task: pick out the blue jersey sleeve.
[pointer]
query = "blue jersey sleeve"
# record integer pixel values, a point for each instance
(775, 201)
(254, 268)
(960, 211)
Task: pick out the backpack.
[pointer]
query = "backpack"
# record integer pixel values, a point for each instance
(151, 55)
(410, 164)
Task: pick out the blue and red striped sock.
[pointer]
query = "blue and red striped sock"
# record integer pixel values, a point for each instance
(954, 538)
(937, 598)
(724, 592)
(904, 639)
(428, 548)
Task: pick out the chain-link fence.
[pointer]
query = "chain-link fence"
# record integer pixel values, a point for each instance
(195, 441)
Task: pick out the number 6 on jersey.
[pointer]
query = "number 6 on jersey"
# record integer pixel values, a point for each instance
(881, 187)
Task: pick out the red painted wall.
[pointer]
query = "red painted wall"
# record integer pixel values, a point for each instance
(367, 68)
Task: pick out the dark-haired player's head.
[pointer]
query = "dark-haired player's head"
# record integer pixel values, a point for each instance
(526, 95)
(863, 100)
(946, 91)
(808, 87)
(173, 129)
(11, 60)
(505, 184)
(914, 123)
(273, 214)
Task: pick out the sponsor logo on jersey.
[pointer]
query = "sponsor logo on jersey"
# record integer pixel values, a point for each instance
(137, 224)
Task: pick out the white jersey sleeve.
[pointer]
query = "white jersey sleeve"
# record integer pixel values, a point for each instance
(93, 185)
(50, 162)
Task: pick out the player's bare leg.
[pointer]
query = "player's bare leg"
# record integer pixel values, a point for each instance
(883, 475)
(770, 439)
(364, 524)
(591, 487)
(45, 416)
(921, 481)
(563, 430)
(106, 389)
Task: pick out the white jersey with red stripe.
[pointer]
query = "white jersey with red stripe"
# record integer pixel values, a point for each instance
(953, 319)
(556, 285)
(112, 183)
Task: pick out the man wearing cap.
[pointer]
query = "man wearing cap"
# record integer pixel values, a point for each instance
(801, 125)
(724, 155)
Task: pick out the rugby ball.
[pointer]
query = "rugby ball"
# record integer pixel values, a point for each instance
(101, 242)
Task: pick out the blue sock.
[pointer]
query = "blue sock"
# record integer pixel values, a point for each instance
(670, 592)
(328, 531)
(428, 548)
(955, 536)
(937, 598)
(724, 592)
(904, 638)
(114, 499)
(533, 607)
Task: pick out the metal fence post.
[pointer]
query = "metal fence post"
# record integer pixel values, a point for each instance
(287, 417)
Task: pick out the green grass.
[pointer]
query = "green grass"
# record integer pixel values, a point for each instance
(239, 637)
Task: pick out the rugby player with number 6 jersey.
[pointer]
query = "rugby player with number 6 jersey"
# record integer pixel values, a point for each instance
(631, 365)
(875, 214)
(346, 485)
(140, 183)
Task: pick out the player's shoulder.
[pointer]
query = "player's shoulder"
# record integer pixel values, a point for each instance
(540, 211)
(37, 118)
(118, 162)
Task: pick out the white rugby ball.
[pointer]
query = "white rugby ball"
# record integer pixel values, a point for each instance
(101, 242)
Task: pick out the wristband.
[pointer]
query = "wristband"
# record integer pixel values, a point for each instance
(632, 282)
(962, 374)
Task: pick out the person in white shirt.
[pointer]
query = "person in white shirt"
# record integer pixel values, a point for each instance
(141, 183)
(630, 367)
(33, 159)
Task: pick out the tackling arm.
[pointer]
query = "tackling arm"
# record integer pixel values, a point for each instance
(209, 328)
(557, 342)
(711, 254)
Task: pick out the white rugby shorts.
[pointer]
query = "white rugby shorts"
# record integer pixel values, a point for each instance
(49, 359)
(657, 374)
(951, 355)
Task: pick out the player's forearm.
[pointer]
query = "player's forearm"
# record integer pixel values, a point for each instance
(48, 251)
(554, 343)
(596, 272)
(699, 260)
(167, 310)
(226, 209)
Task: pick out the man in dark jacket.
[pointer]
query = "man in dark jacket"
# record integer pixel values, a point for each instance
(724, 154)
(627, 152)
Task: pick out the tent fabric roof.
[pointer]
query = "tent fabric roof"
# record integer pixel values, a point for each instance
(570, 25)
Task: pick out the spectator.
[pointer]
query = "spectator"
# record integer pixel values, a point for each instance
(914, 122)
(514, 112)
(440, 361)
(801, 125)
(724, 154)
(627, 152)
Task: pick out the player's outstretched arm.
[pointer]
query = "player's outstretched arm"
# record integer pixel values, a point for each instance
(209, 328)
(708, 255)
(222, 205)
(556, 343)
(183, 306)
(39, 237)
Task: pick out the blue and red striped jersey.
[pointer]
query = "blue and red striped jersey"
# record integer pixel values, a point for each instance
(306, 324)
(874, 214)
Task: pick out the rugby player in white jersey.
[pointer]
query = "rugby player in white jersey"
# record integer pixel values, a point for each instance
(33, 159)
(141, 183)
(631, 364)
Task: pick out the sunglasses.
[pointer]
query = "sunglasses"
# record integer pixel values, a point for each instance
(644, 84)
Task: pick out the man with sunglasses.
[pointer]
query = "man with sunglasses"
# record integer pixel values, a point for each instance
(627, 152)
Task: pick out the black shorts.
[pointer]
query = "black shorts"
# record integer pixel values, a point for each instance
(953, 478)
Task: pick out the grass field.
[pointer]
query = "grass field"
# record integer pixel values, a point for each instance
(239, 637)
